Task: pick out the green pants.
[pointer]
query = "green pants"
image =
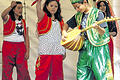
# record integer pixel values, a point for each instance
(94, 61)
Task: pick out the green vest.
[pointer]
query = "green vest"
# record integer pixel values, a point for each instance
(94, 37)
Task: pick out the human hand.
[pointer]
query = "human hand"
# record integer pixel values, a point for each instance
(95, 26)
(100, 30)
(13, 3)
(27, 55)
(112, 33)
(64, 56)
(64, 35)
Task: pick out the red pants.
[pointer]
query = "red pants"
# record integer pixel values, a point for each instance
(49, 66)
(13, 55)
(111, 48)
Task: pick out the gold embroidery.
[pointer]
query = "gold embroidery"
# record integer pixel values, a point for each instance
(45, 28)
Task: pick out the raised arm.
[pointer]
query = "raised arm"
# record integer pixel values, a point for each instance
(40, 13)
(6, 11)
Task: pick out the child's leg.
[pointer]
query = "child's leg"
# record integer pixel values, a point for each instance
(42, 67)
(21, 62)
(101, 64)
(8, 61)
(84, 71)
(56, 70)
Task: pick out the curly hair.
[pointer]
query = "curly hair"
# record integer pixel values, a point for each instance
(57, 14)
(11, 13)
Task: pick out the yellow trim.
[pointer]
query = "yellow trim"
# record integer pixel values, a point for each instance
(76, 44)
(68, 44)
(92, 37)
(45, 28)
(81, 44)
(107, 39)
(101, 42)
(38, 64)
(10, 30)
(109, 73)
(4, 22)
(71, 45)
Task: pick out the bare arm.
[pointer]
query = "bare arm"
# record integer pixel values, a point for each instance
(64, 32)
(27, 44)
(40, 12)
(65, 27)
(6, 11)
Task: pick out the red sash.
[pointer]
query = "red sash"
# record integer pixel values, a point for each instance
(44, 25)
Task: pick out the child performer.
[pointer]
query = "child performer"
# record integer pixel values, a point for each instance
(49, 28)
(94, 59)
(105, 7)
(15, 51)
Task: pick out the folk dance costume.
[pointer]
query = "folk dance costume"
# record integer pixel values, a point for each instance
(49, 62)
(94, 59)
(111, 26)
(13, 50)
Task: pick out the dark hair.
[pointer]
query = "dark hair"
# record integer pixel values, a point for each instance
(57, 14)
(82, 1)
(107, 11)
(112, 25)
(11, 13)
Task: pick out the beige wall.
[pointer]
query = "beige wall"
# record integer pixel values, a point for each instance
(67, 12)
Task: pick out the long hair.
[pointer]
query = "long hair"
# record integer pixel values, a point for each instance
(107, 11)
(108, 14)
(57, 14)
(11, 13)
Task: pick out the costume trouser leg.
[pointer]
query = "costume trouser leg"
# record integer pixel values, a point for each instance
(111, 48)
(94, 61)
(13, 55)
(49, 66)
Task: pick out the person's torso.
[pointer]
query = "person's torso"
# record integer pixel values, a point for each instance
(17, 35)
(92, 34)
(49, 43)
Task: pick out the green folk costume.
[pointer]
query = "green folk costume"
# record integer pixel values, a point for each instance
(76, 1)
(94, 59)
